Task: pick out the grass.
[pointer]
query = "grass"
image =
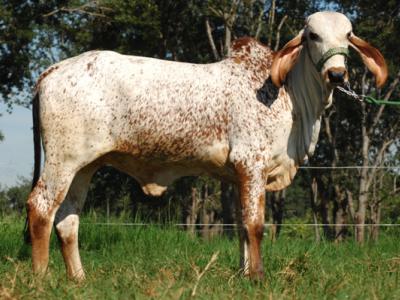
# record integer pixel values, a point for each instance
(152, 262)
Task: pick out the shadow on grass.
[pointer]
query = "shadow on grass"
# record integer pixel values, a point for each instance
(24, 252)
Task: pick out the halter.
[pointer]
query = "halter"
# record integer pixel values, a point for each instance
(328, 54)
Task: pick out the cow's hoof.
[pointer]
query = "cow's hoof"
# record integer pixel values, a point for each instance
(78, 277)
(257, 276)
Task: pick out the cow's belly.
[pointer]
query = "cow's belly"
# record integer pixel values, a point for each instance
(154, 175)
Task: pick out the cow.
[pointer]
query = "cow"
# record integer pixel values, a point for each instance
(159, 120)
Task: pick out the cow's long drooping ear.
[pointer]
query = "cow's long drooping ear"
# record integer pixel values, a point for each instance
(285, 59)
(372, 58)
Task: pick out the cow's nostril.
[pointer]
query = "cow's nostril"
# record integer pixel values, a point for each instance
(336, 76)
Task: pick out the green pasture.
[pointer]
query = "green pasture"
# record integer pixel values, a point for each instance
(164, 262)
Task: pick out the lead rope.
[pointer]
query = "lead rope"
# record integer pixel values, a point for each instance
(363, 98)
(349, 92)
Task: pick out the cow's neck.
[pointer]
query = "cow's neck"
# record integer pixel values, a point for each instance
(309, 96)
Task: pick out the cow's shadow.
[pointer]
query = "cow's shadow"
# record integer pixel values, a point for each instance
(268, 93)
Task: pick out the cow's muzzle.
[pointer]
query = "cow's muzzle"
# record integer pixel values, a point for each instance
(337, 75)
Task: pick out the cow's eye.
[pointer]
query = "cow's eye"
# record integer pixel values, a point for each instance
(348, 34)
(313, 36)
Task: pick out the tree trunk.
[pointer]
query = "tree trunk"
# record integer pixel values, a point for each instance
(192, 213)
(375, 209)
(271, 22)
(367, 175)
(228, 204)
(360, 216)
(363, 190)
(324, 212)
(350, 205)
(205, 227)
(211, 40)
(277, 202)
(363, 185)
(313, 198)
(108, 210)
(340, 214)
(364, 178)
(206, 215)
(228, 39)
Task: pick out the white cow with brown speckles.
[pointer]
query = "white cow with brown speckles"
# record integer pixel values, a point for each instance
(160, 120)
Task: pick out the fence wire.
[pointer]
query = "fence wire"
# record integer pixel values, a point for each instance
(397, 168)
(227, 225)
(351, 167)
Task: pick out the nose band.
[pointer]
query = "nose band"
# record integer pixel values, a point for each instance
(328, 54)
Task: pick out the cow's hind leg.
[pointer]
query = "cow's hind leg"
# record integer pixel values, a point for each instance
(250, 213)
(67, 222)
(43, 202)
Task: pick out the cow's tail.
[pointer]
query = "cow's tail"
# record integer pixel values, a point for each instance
(37, 153)
(36, 139)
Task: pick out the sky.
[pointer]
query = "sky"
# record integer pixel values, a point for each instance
(16, 150)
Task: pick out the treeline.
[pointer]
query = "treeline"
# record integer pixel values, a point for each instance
(35, 34)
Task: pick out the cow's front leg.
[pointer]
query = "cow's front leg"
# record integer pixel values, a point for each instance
(250, 208)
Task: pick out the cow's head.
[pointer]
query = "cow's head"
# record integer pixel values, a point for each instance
(326, 37)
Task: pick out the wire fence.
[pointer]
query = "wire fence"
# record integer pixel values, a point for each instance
(227, 225)
(233, 226)
(17, 176)
(351, 167)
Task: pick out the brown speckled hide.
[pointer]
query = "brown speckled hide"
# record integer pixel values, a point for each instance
(160, 120)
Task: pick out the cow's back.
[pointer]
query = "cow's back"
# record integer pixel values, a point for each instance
(102, 102)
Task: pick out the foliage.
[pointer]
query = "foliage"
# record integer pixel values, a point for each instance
(13, 199)
(35, 34)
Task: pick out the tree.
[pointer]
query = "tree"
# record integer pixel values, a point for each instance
(360, 133)
(13, 199)
(35, 34)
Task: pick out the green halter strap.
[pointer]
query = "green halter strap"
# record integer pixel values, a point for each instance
(328, 54)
